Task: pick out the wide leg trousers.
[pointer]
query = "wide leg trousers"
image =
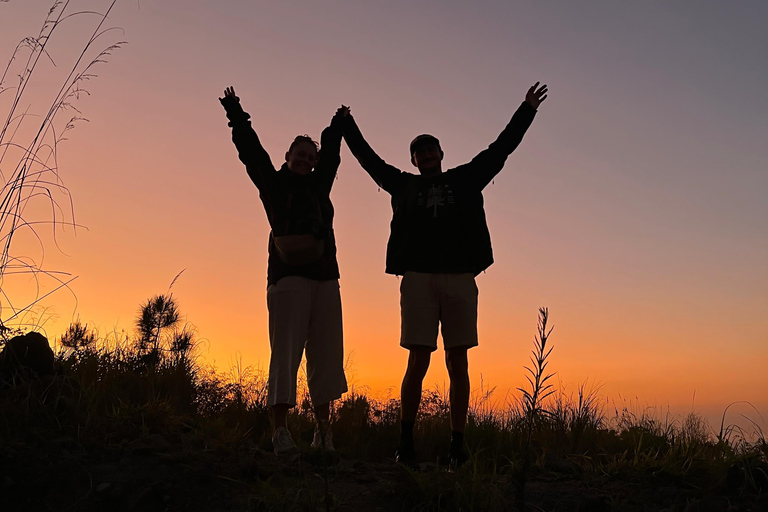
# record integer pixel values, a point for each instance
(305, 314)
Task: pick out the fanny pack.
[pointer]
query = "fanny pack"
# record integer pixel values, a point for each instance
(298, 249)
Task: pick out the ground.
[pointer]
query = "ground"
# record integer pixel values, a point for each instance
(155, 474)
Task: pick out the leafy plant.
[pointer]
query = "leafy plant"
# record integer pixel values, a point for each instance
(533, 398)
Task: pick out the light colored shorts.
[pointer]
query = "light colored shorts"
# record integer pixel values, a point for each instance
(427, 300)
(305, 314)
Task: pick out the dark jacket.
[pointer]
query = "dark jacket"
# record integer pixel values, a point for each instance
(295, 204)
(472, 242)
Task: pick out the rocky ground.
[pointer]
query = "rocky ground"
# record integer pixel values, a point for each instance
(152, 474)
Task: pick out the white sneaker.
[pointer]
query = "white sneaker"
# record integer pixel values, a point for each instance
(317, 440)
(282, 442)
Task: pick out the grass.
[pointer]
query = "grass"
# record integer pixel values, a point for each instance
(32, 192)
(149, 389)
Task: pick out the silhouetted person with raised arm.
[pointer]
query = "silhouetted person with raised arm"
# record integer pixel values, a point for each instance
(439, 242)
(302, 273)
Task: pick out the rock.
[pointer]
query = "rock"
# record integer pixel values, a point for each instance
(29, 354)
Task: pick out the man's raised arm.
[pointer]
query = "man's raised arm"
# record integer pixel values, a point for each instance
(249, 148)
(488, 163)
(329, 158)
(386, 176)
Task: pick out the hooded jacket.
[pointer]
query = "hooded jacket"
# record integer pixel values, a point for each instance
(294, 203)
(461, 187)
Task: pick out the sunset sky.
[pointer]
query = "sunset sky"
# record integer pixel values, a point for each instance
(635, 209)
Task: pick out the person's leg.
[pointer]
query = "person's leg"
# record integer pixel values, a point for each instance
(420, 313)
(325, 349)
(410, 391)
(410, 397)
(458, 305)
(458, 373)
(325, 358)
(288, 302)
(280, 416)
(323, 436)
(323, 413)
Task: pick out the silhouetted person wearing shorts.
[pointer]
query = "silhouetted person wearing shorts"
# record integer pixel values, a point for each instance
(302, 272)
(439, 242)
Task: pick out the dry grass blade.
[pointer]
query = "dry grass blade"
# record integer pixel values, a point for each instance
(34, 180)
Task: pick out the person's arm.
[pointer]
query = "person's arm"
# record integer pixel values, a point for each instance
(386, 176)
(486, 165)
(329, 158)
(249, 148)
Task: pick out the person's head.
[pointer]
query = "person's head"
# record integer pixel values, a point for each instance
(301, 155)
(426, 154)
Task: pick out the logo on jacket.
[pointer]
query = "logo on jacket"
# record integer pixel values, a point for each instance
(437, 196)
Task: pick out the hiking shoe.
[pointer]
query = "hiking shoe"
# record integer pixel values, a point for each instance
(282, 442)
(405, 454)
(317, 440)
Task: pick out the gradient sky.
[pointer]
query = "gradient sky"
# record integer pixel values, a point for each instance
(636, 207)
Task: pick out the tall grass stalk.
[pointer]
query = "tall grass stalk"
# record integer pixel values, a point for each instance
(34, 175)
(533, 397)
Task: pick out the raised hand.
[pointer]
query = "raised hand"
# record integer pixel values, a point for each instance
(535, 96)
(230, 101)
(340, 117)
(229, 92)
(342, 111)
